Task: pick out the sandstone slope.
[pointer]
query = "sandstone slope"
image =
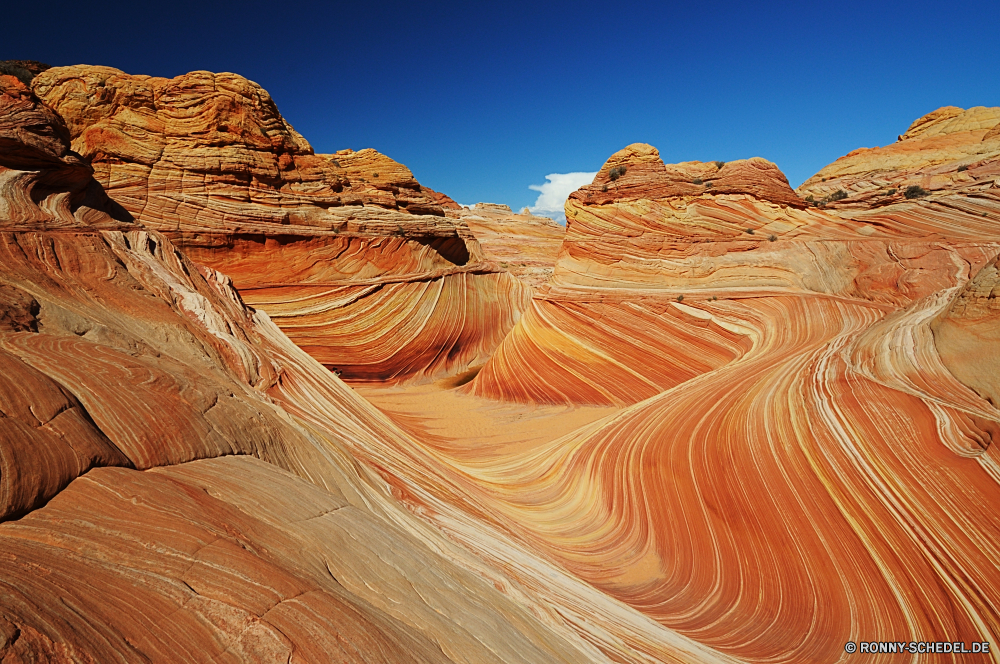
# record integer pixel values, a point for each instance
(803, 450)
(353, 259)
(523, 244)
(688, 233)
(949, 150)
(158, 499)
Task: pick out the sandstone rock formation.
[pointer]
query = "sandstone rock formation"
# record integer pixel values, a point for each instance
(733, 426)
(213, 524)
(346, 252)
(523, 244)
(950, 150)
(805, 426)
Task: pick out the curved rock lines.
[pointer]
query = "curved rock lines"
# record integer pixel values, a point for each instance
(390, 331)
(610, 351)
(774, 508)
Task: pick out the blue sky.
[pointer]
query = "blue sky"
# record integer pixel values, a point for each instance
(482, 101)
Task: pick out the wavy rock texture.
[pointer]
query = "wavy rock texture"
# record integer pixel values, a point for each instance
(352, 258)
(523, 244)
(723, 446)
(803, 448)
(171, 508)
(948, 150)
(669, 239)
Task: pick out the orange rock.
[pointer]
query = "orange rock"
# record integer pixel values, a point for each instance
(824, 478)
(117, 350)
(637, 173)
(522, 244)
(208, 160)
(950, 150)
(41, 180)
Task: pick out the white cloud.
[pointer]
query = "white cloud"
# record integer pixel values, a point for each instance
(553, 194)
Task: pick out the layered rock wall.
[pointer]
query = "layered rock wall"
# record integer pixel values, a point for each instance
(325, 243)
(158, 500)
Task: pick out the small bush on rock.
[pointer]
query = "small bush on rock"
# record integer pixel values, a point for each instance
(616, 172)
(17, 72)
(915, 191)
(696, 181)
(963, 167)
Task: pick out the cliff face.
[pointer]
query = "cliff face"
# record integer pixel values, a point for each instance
(346, 252)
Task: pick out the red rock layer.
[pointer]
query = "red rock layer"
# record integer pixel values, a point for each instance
(826, 480)
(208, 160)
(665, 240)
(523, 244)
(117, 350)
(966, 336)
(605, 352)
(947, 151)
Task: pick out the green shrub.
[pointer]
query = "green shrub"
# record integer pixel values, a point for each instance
(720, 164)
(915, 191)
(680, 298)
(374, 175)
(696, 181)
(810, 199)
(17, 72)
(749, 231)
(772, 238)
(838, 195)
(616, 172)
(604, 188)
(963, 167)
(708, 185)
(891, 192)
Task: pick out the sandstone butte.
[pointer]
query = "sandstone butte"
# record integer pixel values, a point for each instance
(734, 426)
(347, 253)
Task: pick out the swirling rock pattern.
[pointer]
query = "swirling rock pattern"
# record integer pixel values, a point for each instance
(523, 244)
(825, 478)
(324, 243)
(791, 445)
(947, 150)
(158, 504)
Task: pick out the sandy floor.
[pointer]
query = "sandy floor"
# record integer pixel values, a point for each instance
(464, 426)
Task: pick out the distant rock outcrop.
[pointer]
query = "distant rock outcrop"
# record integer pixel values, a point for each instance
(950, 150)
(522, 244)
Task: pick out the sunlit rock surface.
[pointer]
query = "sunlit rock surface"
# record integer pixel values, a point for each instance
(346, 251)
(159, 500)
(950, 150)
(523, 244)
(803, 450)
(734, 426)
